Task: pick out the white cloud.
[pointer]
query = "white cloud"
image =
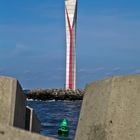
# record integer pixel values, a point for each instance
(108, 74)
(2, 70)
(116, 69)
(27, 72)
(20, 49)
(137, 71)
(91, 71)
(113, 29)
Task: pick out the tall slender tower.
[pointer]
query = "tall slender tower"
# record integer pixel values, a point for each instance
(71, 17)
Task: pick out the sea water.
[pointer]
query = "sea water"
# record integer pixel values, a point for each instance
(51, 113)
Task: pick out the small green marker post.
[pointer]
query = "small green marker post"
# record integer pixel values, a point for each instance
(63, 128)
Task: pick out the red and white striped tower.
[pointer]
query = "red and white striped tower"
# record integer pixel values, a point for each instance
(71, 17)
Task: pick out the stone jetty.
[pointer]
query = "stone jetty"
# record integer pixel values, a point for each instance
(55, 94)
(15, 115)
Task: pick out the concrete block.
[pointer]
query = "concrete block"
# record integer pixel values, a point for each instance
(11, 133)
(12, 103)
(111, 110)
(32, 122)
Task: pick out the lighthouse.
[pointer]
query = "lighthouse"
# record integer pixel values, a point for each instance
(71, 19)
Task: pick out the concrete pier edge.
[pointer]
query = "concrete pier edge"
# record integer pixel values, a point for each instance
(15, 116)
(111, 110)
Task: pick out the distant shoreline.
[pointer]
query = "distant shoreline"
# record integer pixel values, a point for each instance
(54, 94)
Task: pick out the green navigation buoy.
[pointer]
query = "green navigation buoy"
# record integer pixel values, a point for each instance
(63, 128)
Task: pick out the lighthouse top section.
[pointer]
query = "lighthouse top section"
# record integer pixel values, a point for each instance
(71, 6)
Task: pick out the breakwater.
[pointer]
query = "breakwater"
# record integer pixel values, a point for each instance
(15, 115)
(55, 94)
(111, 110)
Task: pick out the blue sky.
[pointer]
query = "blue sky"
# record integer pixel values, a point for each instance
(32, 41)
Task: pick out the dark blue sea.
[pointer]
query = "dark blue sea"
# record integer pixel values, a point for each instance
(51, 113)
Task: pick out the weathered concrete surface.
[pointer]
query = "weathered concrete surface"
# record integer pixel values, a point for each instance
(11, 133)
(111, 110)
(32, 122)
(12, 103)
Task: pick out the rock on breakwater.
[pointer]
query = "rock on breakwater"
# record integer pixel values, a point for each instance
(55, 94)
